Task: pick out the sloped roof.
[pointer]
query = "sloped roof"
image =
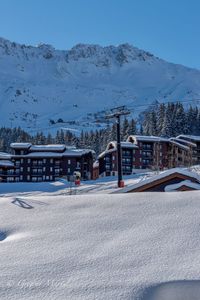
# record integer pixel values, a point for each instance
(192, 137)
(161, 176)
(6, 163)
(4, 155)
(20, 145)
(188, 183)
(148, 138)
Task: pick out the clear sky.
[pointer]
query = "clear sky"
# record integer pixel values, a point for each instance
(169, 29)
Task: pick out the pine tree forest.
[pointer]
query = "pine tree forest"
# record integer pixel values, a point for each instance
(166, 120)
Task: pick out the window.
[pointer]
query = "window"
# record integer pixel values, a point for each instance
(113, 157)
(21, 169)
(51, 160)
(44, 160)
(28, 169)
(22, 160)
(113, 166)
(21, 177)
(17, 163)
(69, 162)
(51, 169)
(10, 179)
(28, 178)
(68, 170)
(34, 179)
(29, 161)
(44, 169)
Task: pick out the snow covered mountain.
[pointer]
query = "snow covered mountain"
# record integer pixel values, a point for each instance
(42, 88)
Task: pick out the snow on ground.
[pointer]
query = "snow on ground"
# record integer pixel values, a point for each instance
(141, 246)
(102, 185)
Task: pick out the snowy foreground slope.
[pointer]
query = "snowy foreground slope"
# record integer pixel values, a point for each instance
(39, 84)
(131, 246)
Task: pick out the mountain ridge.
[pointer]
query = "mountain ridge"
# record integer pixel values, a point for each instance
(41, 85)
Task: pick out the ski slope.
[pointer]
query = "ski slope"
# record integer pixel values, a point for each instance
(131, 246)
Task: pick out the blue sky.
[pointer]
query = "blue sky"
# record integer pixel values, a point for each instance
(169, 29)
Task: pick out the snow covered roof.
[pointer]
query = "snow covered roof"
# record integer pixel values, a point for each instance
(20, 145)
(67, 152)
(6, 163)
(147, 138)
(123, 145)
(77, 152)
(112, 146)
(177, 139)
(188, 183)
(179, 145)
(96, 164)
(191, 137)
(47, 148)
(4, 155)
(160, 176)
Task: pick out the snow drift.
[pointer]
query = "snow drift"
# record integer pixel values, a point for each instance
(135, 246)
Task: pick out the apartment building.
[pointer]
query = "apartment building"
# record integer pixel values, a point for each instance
(36, 163)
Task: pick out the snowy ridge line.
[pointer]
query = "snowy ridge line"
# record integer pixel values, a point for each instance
(43, 84)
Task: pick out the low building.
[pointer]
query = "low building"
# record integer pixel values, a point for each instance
(35, 163)
(176, 179)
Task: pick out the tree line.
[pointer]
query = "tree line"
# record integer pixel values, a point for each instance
(165, 120)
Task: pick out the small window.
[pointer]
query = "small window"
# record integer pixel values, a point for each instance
(69, 162)
(68, 170)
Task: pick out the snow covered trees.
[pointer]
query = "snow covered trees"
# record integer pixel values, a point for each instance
(171, 119)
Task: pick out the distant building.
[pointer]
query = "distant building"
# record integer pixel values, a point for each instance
(6, 167)
(150, 152)
(108, 159)
(195, 140)
(36, 163)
